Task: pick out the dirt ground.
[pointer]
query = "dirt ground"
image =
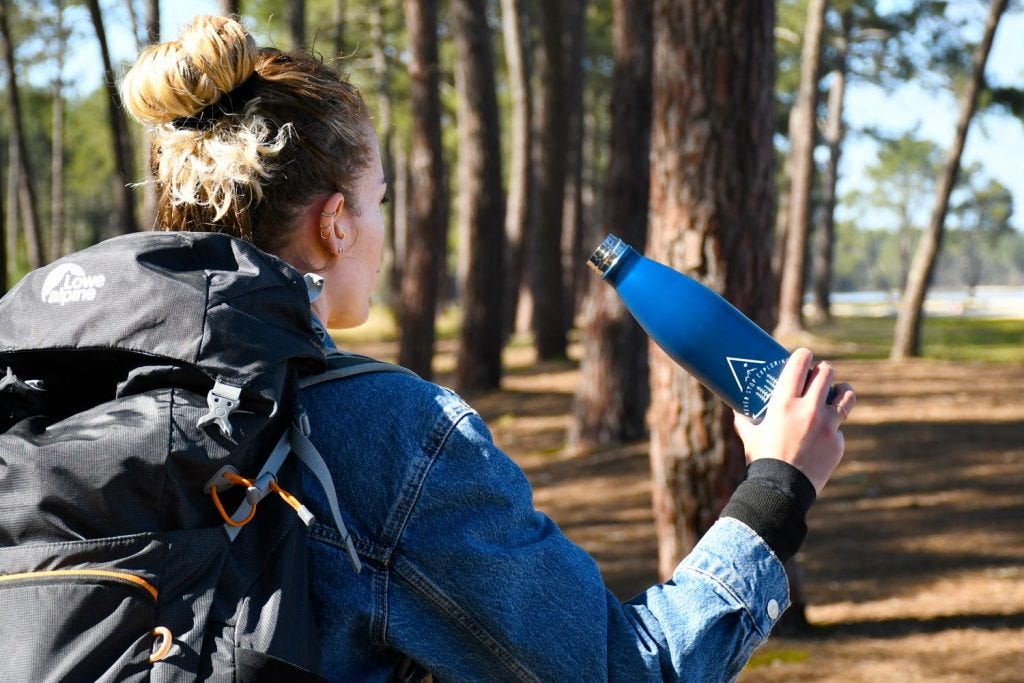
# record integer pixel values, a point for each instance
(914, 564)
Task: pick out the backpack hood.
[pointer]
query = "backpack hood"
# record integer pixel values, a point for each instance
(206, 299)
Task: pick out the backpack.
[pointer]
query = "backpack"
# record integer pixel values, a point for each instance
(148, 409)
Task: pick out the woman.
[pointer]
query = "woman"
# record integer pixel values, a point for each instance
(462, 575)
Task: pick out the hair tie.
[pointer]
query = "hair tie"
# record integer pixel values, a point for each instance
(230, 103)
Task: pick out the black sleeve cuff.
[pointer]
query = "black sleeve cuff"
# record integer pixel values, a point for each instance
(773, 501)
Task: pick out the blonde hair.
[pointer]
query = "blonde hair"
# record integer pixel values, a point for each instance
(243, 137)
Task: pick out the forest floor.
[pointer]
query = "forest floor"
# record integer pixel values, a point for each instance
(914, 564)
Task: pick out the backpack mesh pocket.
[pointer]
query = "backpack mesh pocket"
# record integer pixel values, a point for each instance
(80, 610)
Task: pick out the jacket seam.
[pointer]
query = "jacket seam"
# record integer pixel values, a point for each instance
(424, 586)
(398, 521)
(393, 531)
(324, 533)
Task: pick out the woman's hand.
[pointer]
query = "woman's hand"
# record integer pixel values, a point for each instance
(799, 427)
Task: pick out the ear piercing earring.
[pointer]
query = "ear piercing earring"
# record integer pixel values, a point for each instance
(325, 230)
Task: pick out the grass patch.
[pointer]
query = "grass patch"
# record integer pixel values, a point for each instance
(860, 337)
(382, 325)
(763, 658)
(957, 339)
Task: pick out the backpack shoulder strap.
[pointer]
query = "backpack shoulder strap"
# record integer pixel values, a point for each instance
(341, 364)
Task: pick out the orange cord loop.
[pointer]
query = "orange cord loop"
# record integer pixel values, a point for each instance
(239, 480)
(167, 640)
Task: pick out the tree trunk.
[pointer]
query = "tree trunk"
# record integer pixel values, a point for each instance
(614, 389)
(133, 19)
(425, 247)
(548, 285)
(834, 134)
(907, 338)
(481, 199)
(339, 25)
(230, 8)
(801, 169)
(400, 217)
(152, 22)
(711, 217)
(149, 188)
(515, 33)
(11, 214)
(574, 261)
(57, 140)
(25, 178)
(395, 173)
(120, 135)
(295, 13)
(4, 231)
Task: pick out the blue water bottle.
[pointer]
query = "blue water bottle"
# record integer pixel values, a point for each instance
(709, 337)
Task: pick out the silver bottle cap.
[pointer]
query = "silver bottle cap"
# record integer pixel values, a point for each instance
(607, 254)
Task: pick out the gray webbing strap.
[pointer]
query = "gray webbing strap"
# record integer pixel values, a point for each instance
(311, 457)
(295, 440)
(261, 485)
(341, 365)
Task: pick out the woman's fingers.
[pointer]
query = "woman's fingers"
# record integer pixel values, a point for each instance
(844, 401)
(793, 378)
(820, 382)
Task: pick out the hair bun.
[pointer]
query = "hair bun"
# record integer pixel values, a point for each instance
(180, 78)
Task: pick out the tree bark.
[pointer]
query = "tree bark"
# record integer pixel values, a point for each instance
(547, 281)
(907, 338)
(295, 13)
(26, 178)
(133, 19)
(11, 214)
(801, 169)
(394, 172)
(230, 8)
(152, 22)
(149, 188)
(339, 25)
(120, 135)
(834, 135)
(573, 224)
(711, 218)
(4, 230)
(481, 199)
(57, 140)
(515, 33)
(614, 389)
(425, 247)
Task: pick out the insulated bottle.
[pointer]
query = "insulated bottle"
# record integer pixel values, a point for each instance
(705, 334)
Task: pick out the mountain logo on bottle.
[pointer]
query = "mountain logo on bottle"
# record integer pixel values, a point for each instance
(758, 383)
(741, 369)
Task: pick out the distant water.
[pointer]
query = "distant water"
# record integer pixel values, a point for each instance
(996, 302)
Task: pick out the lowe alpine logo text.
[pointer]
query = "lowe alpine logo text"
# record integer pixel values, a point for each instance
(68, 283)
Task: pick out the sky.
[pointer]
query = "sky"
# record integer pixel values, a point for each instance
(994, 141)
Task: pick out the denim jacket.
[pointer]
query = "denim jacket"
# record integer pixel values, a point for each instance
(464, 576)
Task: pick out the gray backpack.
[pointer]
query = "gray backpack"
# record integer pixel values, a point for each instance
(148, 409)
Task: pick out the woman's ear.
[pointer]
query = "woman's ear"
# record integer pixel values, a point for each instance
(331, 223)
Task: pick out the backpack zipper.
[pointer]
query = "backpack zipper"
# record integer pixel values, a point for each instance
(104, 574)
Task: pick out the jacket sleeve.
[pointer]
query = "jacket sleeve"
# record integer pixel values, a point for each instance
(484, 587)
